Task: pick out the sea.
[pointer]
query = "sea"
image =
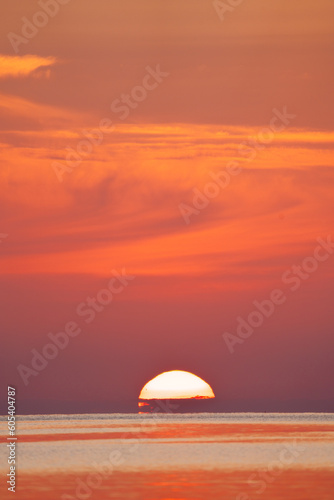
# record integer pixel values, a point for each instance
(199, 456)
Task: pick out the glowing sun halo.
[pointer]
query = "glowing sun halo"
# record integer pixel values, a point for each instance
(176, 384)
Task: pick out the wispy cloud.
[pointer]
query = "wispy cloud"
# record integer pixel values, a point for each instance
(18, 67)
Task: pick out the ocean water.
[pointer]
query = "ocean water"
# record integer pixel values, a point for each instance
(239, 456)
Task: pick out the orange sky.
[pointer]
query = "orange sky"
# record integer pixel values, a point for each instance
(120, 206)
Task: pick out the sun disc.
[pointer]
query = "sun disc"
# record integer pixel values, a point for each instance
(176, 384)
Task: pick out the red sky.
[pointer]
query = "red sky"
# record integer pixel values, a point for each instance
(119, 207)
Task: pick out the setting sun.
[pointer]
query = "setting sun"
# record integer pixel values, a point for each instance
(176, 384)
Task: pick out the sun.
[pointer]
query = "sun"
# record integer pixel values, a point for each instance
(176, 384)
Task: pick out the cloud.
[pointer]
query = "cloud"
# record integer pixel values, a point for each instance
(25, 122)
(29, 65)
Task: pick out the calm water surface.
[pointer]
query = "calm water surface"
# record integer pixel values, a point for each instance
(165, 456)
